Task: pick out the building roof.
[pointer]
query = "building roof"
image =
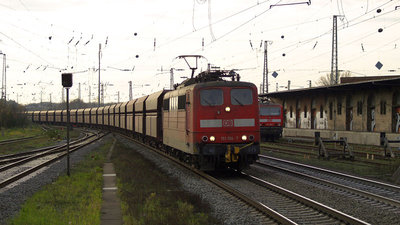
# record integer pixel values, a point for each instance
(390, 81)
(345, 80)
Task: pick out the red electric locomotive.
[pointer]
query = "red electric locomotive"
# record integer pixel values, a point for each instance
(206, 121)
(271, 121)
(214, 123)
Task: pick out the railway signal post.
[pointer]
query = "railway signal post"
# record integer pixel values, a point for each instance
(66, 79)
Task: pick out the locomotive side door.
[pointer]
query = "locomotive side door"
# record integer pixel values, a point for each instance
(188, 118)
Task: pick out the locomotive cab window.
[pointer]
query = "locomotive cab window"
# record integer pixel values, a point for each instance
(211, 97)
(241, 96)
(270, 111)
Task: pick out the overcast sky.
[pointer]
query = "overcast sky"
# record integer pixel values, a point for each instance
(43, 37)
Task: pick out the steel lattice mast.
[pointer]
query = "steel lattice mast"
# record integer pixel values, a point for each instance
(334, 63)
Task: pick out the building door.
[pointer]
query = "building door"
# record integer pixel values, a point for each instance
(313, 115)
(371, 113)
(396, 113)
(298, 117)
(349, 113)
(284, 113)
(313, 119)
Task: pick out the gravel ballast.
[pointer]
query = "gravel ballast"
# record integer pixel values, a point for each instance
(228, 209)
(334, 199)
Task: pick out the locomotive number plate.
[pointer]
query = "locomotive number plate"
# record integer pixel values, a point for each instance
(227, 123)
(227, 138)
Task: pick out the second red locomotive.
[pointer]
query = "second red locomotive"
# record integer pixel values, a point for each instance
(271, 121)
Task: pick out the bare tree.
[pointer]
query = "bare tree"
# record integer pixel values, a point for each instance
(326, 80)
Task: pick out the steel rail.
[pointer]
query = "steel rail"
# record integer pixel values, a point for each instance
(9, 141)
(333, 172)
(39, 153)
(378, 153)
(34, 151)
(306, 201)
(313, 154)
(343, 187)
(41, 165)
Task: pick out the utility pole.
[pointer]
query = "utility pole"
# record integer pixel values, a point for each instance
(79, 91)
(3, 78)
(118, 97)
(50, 98)
(90, 93)
(102, 94)
(130, 90)
(41, 99)
(334, 62)
(62, 95)
(171, 79)
(265, 72)
(288, 85)
(99, 71)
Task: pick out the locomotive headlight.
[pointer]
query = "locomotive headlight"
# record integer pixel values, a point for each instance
(204, 138)
(212, 138)
(244, 137)
(227, 109)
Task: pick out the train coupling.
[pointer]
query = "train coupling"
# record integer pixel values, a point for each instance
(233, 155)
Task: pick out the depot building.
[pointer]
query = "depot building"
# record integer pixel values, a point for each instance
(359, 108)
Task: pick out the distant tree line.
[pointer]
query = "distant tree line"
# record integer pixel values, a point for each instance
(74, 104)
(327, 79)
(12, 114)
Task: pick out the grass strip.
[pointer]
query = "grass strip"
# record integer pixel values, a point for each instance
(149, 196)
(12, 133)
(69, 200)
(48, 138)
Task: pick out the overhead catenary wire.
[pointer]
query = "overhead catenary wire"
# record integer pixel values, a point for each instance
(297, 44)
(161, 45)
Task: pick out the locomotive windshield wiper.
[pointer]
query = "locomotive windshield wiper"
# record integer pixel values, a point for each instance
(205, 100)
(237, 100)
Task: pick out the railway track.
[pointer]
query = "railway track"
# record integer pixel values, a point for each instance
(297, 208)
(10, 141)
(314, 153)
(376, 193)
(309, 148)
(287, 207)
(6, 159)
(21, 165)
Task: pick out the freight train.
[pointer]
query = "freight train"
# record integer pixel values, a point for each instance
(271, 121)
(207, 120)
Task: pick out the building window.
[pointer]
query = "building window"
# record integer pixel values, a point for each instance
(291, 112)
(383, 107)
(339, 108)
(330, 110)
(305, 111)
(359, 107)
